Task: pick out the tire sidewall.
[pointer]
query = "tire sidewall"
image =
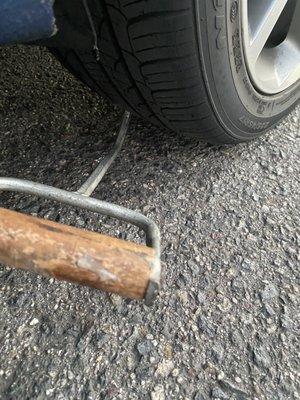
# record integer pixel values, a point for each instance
(242, 110)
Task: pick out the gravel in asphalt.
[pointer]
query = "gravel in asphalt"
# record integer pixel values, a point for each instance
(226, 324)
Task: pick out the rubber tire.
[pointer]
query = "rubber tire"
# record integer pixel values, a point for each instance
(179, 64)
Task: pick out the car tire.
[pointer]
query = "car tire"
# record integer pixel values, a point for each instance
(180, 64)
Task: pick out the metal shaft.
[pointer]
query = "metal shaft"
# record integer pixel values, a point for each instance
(95, 178)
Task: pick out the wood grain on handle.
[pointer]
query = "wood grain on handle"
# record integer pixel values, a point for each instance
(75, 255)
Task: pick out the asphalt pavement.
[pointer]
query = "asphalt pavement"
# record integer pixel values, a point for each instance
(226, 324)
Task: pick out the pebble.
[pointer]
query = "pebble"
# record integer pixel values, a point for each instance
(262, 357)
(144, 348)
(34, 321)
(164, 368)
(247, 265)
(225, 306)
(270, 292)
(217, 353)
(201, 298)
(217, 393)
(175, 372)
(221, 376)
(70, 375)
(158, 393)
(287, 323)
(230, 387)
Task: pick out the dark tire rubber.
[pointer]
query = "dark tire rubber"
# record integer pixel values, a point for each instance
(177, 63)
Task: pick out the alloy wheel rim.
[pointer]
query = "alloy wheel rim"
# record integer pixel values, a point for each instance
(271, 36)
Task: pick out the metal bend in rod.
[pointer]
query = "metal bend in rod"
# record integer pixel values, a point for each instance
(98, 206)
(87, 203)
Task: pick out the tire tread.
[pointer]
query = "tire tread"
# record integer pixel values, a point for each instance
(149, 64)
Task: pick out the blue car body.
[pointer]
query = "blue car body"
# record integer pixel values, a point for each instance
(24, 21)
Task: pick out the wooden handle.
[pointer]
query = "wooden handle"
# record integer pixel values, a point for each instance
(74, 255)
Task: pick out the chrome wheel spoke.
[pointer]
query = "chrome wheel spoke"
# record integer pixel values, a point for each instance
(266, 27)
(271, 37)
